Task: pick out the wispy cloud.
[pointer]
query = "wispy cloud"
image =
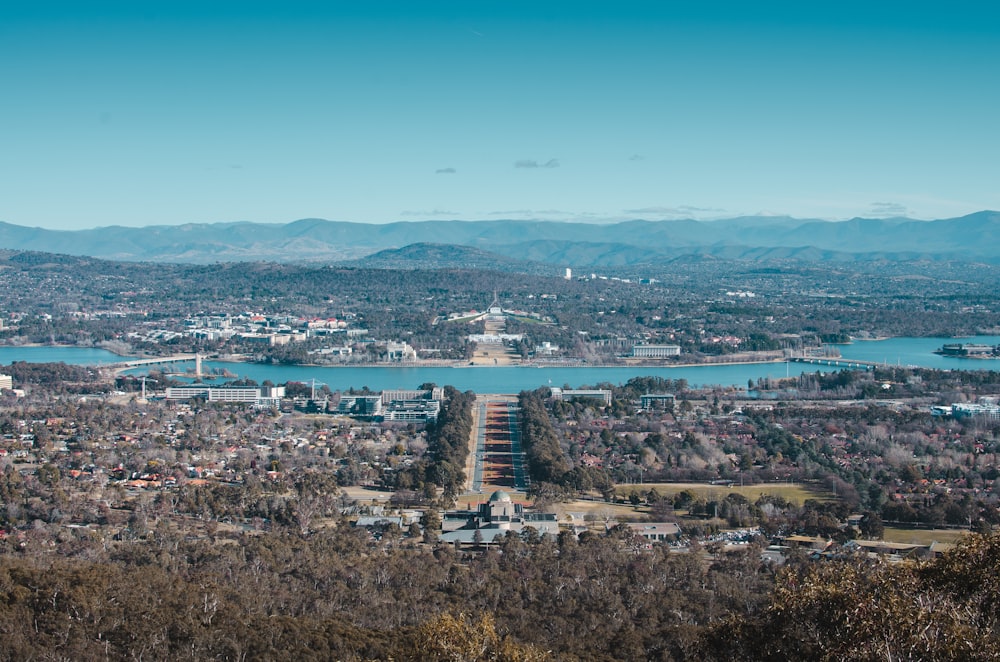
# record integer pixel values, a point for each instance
(679, 211)
(889, 209)
(510, 212)
(531, 163)
(548, 215)
(637, 157)
(445, 171)
(428, 214)
(533, 213)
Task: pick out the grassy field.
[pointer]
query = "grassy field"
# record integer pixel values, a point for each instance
(364, 495)
(596, 510)
(600, 510)
(923, 536)
(795, 493)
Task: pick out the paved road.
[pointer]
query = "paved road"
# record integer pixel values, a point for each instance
(495, 445)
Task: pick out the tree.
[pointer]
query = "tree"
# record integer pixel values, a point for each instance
(431, 521)
(465, 639)
(871, 526)
(858, 609)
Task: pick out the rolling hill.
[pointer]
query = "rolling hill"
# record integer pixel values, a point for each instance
(975, 237)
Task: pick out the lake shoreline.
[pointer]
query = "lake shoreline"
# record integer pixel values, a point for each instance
(916, 352)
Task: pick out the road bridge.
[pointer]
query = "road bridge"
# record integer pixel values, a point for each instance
(836, 362)
(129, 364)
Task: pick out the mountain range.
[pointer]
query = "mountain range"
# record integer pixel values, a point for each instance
(506, 243)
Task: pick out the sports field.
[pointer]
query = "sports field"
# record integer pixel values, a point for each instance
(923, 536)
(796, 493)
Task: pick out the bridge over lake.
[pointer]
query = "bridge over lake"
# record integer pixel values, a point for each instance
(853, 364)
(175, 358)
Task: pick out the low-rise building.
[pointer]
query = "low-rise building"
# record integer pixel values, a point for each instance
(651, 400)
(656, 531)
(360, 405)
(976, 410)
(574, 394)
(655, 351)
(492, 520)
(412, 410)
(262, 396)
(400, 351)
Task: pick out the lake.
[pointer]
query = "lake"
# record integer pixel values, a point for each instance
(57, 353)
(894, 351)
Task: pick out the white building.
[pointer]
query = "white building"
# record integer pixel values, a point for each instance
(262, 396)
(400, 351)
(655, 351)
(7, 382)
(494, 338)
(436, 393)
(360, 405)
(492, 520)
(412, 405)
(568, 394)
(978, 410)
(650, 400)
(546, 349)
(412, 410)
(655, 531)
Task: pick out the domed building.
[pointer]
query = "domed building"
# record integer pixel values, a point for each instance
(500, 511)
(494, 519)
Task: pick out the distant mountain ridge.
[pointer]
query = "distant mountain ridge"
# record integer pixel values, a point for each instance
(975, 237)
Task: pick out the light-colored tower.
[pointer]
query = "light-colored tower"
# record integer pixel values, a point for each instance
(569, 273)
(197, 366)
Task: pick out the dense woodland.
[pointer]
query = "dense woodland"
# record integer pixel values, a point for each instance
(329, 595)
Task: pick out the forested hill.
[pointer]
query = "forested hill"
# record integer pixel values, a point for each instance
(447, 256)
(970, 238)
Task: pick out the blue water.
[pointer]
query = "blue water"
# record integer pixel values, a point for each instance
(505, 379)
(919, 352)
(55, 354)
(894, 351)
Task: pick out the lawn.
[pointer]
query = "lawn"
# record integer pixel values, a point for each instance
(923, 536)
(795, 493)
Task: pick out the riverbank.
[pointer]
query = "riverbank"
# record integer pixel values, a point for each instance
(441, 363)
(513, 379)
(36, 345)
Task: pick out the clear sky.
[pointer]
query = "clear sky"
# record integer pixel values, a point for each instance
(150, 112)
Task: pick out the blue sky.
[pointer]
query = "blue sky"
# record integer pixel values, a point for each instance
(148, 112)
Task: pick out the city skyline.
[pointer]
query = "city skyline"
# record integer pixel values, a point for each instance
(182, 112)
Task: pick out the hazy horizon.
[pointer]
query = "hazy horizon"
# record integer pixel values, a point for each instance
(172, 113)
(762, 217)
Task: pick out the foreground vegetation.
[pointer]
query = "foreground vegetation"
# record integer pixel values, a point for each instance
(329, 595)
